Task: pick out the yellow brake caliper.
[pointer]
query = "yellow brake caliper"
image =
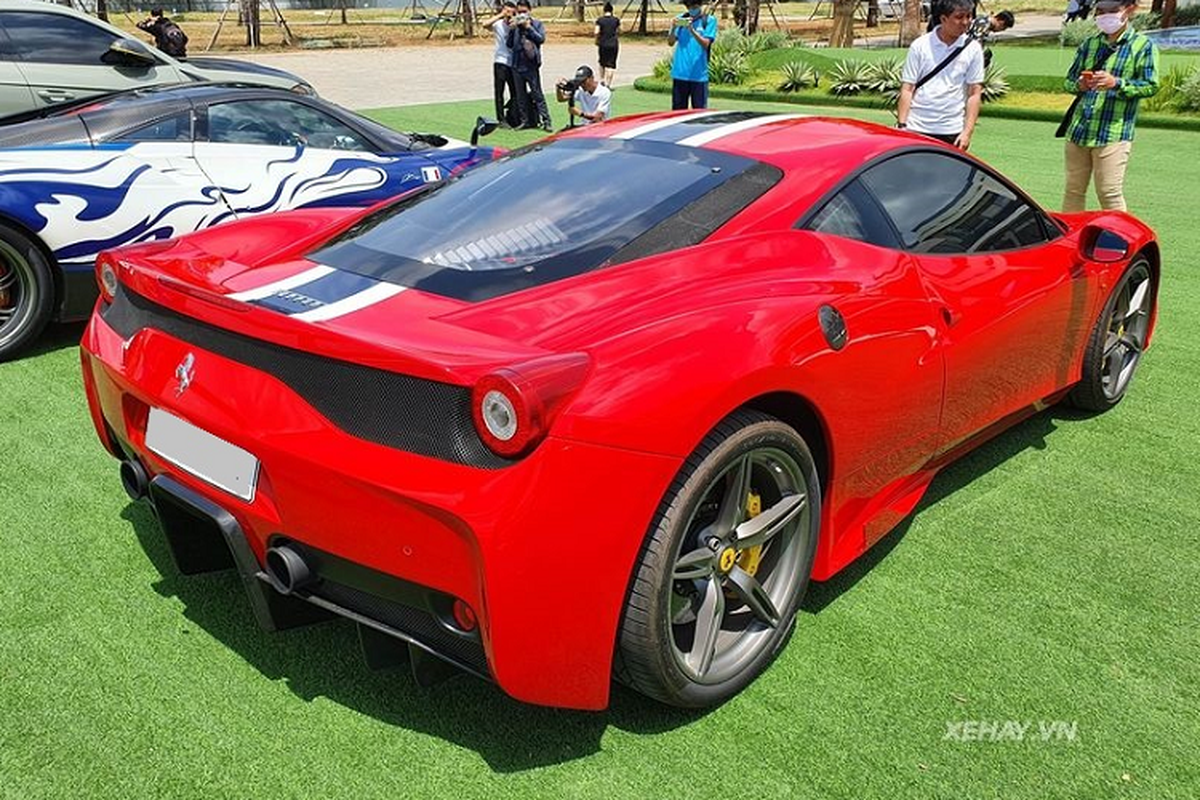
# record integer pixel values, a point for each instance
(750, 558)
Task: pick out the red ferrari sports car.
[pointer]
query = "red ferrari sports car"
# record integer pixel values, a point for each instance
(604, 406)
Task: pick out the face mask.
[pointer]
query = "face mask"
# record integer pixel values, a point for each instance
(694, 12)
(1110, 23)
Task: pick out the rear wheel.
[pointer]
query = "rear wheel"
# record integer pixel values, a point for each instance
(1115, 347)
(725, 566)
(26, 291)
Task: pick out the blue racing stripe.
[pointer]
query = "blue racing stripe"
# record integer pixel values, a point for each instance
(691, 127)
(312, 295)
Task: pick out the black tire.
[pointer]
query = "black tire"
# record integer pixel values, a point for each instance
(1115, 346)
(26, 291)
(700, 560)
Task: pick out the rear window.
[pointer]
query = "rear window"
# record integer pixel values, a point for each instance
(535, 216)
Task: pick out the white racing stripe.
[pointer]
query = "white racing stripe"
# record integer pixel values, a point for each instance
(734, 127)
(354, 302)
(299, 279)
(650, 127)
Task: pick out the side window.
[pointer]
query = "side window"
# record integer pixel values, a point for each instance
(55, 39)
(172, 129)
(942, 204)
(279, 122)
(853, 214)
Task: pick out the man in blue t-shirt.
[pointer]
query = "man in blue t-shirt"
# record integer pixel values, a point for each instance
(692, 34)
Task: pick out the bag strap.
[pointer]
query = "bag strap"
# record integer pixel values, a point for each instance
(945, 63)
(1101, 56)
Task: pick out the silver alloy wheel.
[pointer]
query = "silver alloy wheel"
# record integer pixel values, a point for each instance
(1126, 335)
(19, 298)
(734, 571)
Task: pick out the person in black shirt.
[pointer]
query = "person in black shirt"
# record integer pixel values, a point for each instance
(168, 37)
(608, 28)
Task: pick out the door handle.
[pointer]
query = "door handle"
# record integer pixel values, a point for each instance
(950, 317)
(55, 95)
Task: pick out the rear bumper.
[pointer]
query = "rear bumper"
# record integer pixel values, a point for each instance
(541, 550)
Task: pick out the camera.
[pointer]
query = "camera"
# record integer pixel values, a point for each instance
(981, 26)
(564, 90)
(522, 18)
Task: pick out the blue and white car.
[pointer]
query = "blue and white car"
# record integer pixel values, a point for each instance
(156, 163)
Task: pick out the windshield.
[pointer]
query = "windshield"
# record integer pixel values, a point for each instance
(535, 216)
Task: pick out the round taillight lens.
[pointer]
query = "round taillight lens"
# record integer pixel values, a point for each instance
(106, 276)
(499, 415)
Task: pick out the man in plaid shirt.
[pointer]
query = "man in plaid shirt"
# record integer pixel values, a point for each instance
(1111, 72)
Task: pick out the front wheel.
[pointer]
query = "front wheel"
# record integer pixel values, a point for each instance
(1115, 347)
(26, 291)
(725, 565)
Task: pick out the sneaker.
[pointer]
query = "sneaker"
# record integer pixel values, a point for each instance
(546, 126)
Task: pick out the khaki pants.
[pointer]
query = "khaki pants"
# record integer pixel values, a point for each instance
(1107, 164)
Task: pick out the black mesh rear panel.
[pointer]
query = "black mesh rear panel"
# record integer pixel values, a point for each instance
(411, 414)
(44, 132)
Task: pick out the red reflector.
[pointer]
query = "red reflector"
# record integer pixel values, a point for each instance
(464, 617)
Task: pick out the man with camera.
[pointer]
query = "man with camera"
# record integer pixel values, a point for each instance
(942, 82)
(168, 37)
(502, 62)
(526, 35)
(590, 100)
(692, 35)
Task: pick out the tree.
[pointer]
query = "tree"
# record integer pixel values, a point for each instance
(579, 17)
(910, 23)
(872, 13)
(468, 18)
(1168, 14)
(843, 23)
(102, 10)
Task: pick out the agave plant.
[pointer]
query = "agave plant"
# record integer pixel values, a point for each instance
(849, 77)
(1169, 84)
(995, 85)
(728, 41)
(729, 66)
(797, 75)
(766, 40)
(662, 68)
(885, 75)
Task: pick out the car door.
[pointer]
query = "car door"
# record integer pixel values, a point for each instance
(273, 154)
(61, 58)
(15, 94)
(1008, 299)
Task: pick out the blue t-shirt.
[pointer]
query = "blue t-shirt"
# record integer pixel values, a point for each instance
(690, 62)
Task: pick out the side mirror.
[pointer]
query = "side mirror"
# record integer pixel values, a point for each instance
(129, 53)
(1103, 245)
(483, 127)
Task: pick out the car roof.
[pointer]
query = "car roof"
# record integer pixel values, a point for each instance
(814, 152)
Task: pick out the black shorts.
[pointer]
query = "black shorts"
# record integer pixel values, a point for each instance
(608, 57)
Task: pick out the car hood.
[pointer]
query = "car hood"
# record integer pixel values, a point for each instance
(218, 69)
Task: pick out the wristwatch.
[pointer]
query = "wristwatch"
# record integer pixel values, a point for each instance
(901, 125)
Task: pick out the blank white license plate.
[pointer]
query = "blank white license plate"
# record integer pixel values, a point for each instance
(197, 451)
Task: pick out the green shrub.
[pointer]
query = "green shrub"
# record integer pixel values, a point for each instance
(1168, 97)
(1146, 21)
(850, 77)
(728, 41)
(662, 68)
(1189, 92)
(728, 67)
(766, 40)
(797, 75)
(1074, 32)
(995, 85)
(1188, 15)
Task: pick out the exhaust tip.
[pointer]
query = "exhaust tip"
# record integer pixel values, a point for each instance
(134, 479)
(287, 570)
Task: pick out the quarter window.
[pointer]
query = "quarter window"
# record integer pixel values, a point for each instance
(942, 204)
(172, 129)
(55, 39)
(852, 213)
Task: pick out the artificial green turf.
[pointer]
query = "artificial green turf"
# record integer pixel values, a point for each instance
(1051, 575)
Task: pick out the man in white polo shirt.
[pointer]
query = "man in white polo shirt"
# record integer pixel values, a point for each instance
(593, 100)
(942, 82)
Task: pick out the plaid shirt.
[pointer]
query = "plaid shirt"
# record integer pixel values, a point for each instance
(1105, 117)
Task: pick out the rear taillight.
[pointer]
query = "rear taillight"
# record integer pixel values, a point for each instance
(513, 407)
(106, 276)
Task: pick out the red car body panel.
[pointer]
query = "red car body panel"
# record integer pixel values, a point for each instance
(943, 350)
